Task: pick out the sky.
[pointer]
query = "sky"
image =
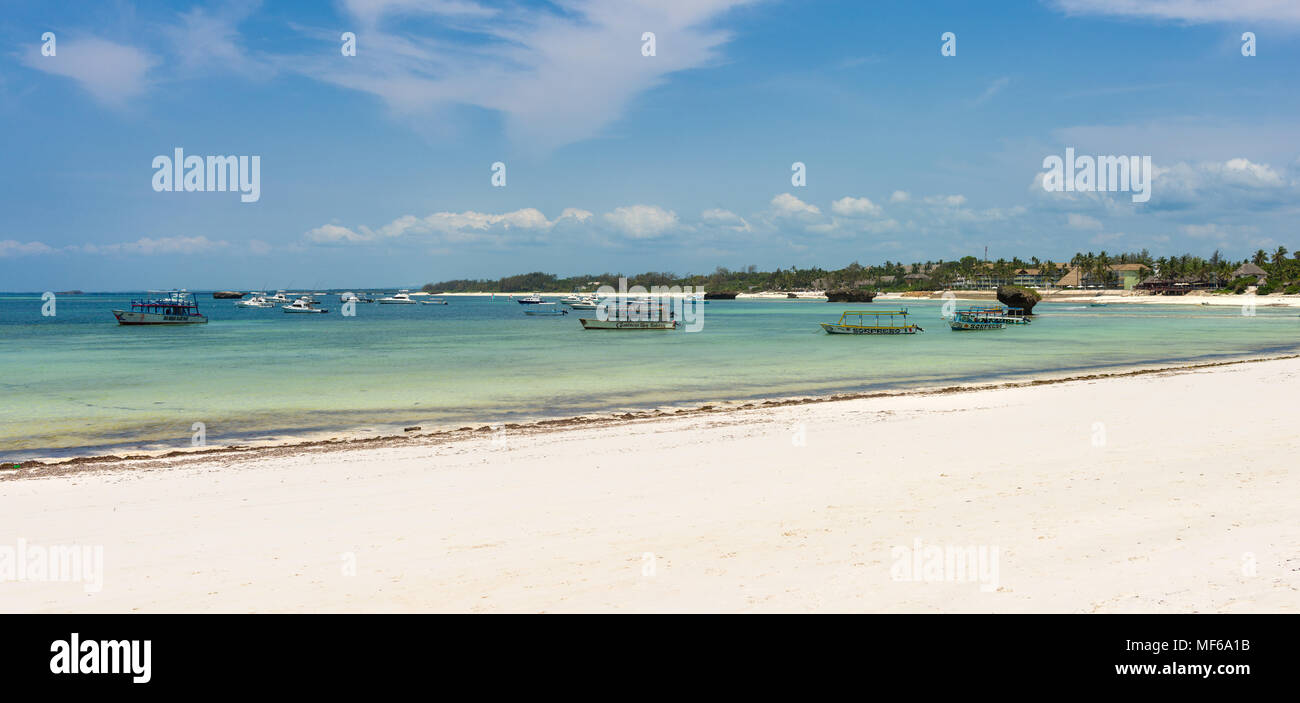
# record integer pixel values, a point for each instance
(377, 169)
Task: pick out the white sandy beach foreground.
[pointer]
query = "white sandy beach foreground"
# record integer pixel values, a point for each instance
(1165, 492)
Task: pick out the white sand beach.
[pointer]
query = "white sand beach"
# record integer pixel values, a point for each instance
(1160, 492)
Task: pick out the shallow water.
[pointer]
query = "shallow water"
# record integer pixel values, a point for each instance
(77, 383)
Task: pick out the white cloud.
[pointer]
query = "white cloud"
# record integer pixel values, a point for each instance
(1195, 11)
(642, 221)
(786, 205)
(112, 73)
(1078, 221)
(725, 218)
(334, 233)
(147, 246)
(946, 200)
(994, 88)
(899, 196)
(559, 74)
(855, 207)
(10, 247)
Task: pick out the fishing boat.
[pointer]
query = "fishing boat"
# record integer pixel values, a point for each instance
(176, 307)
(872, 322)
(546, 309)
(964, 321)
(256, 301)
(303, 305)
(401, 297)
(533, 299)
(997, 313)
(279, 297)
(631, 315)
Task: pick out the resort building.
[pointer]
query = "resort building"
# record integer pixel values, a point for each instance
(1249, 269)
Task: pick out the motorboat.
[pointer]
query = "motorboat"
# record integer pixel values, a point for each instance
(176, 307)
(303, 305)
(401, 297)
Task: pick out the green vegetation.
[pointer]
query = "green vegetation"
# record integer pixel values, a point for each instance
(1283, 273)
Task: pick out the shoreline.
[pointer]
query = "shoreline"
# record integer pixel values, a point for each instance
(1111, 494)
(56, 466)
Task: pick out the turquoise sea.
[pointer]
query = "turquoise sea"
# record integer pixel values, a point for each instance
(77, 383)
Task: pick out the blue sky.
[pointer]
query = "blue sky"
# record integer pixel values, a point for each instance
(376, 168)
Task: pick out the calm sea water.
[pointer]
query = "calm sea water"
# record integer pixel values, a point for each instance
(78, 383)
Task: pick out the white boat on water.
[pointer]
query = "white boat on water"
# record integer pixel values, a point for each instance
(579, 302)
(257, 300)
(533, 299)
(433, 301)
(279, 297)
(401, 297)
(303, 305)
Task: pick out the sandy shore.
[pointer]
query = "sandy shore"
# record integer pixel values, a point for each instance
(1164, 492)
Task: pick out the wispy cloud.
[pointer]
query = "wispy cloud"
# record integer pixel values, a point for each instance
(1192, 11)
(558, 75)
(994, 88)
(113, 73)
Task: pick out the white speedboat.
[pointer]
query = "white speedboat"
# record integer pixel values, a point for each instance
(401, 297)
(279, 297)
(303, 305)
(256, 301)
(533, 299)
(585, 302)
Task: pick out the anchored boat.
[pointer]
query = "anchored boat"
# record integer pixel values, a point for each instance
(303, 305)
(631, 315)
(997, 313)
(965, 321)
(176, 307)
(401, 297)
(872, 322)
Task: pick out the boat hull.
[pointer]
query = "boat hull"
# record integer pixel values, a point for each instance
(125, 317)
(832, 328)
(589, 324)
(968, 326)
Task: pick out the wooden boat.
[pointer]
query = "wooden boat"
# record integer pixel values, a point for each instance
(967, 321)
(589, 324)
(996, 313)
(175, 307)
(880, 322)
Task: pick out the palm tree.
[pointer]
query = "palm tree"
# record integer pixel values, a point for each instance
(1279, 255)
(1261, 257)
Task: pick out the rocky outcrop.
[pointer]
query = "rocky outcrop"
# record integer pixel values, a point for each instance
(719, 295)
(850, 295)
(1017, 297)
(227, 294)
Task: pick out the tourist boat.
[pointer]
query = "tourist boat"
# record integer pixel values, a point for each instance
(401, 297)
(588, 324)
(533, 299)
(176, 307)
(303, 305)
(969, 321)
(996, 313)
(632, 315)
(880, 322)
(546, 309)
(256, 301)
